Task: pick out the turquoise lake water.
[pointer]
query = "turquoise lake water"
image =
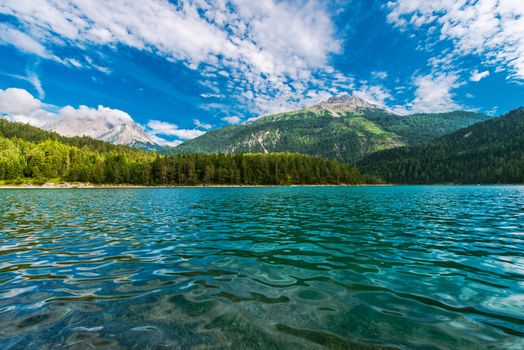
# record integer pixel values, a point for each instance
(415, 267)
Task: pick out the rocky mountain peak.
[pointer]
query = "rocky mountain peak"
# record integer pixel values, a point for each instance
(345, 103)
(110, 128)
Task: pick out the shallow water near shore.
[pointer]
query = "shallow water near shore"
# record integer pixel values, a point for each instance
(418, 267)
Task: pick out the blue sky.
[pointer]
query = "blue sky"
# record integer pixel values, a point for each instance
(181, 68)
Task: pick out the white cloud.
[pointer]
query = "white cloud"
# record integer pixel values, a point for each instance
(38, 118)
(376, 94)
(478, 76)
(231, 120)
(199, 124)
(22, 41)
(15, 101)
(157, 127)
(35, 81)
(492, 29)
(164, 142)
(493, 111)
(252, 119)
(75, 63)
(162, 128)
(270, 47)
(434, 94)
(210, 95)
(379, 75)
(91, 64)
(84, 113)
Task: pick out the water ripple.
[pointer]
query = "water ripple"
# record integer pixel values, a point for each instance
(368, 267)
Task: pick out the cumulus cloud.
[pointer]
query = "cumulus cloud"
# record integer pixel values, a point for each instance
(231, 120)
(270, 47)
(157, 127)
(39, 118)
(478, 76)
(15, 101)
(491, 29)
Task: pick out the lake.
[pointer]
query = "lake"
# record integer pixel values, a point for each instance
(418, 267)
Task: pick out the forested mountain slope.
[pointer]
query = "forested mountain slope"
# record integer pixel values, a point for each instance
(344, 128)
(488, 152)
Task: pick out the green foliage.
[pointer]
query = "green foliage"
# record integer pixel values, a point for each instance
(343, 138)
(346, 137)
(488, 152)
(421, 127)
(251, 169)
(44, 158)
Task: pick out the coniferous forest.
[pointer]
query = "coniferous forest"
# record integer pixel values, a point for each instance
(30, 153)
(488, 152)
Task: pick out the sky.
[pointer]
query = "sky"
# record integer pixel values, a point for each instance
(181, 68)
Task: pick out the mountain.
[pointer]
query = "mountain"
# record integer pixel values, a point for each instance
(119, 134)
(345, 128)
(101, 123)
(31, 133)
(487, 152)
(344, 104)
(113, 127)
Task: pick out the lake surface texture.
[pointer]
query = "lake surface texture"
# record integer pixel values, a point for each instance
(437, 267)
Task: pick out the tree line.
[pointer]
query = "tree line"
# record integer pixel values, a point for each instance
(488, 152)
(87, 160)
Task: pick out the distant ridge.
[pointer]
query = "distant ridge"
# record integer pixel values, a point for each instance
(120, 130)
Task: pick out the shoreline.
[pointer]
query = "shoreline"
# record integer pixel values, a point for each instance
(109, 186)
(51, 186)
